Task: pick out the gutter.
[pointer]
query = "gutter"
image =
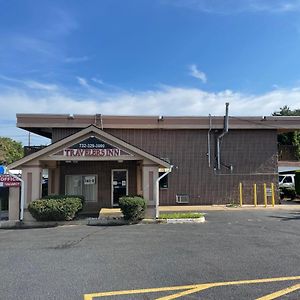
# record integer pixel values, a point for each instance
(225, 131)
(157, 191)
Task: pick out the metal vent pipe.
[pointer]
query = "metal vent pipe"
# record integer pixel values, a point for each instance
(225, 131)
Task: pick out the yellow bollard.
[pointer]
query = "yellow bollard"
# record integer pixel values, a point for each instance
(255, 194)
(273, 194)
(265, 195)
(241, 194)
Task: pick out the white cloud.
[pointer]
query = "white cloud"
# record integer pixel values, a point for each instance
(239, 6)
(197, 73)
(82, 81)
(164, 100)
(97, 80)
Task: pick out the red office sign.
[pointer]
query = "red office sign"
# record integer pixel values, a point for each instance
(7, 180)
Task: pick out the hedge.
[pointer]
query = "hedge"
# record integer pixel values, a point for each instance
(132, 207)
(55, 209)
(65, 197)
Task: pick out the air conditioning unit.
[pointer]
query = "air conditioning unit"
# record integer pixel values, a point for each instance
(182, 198)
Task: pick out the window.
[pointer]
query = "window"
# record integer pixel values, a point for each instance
(164, 182)
(85, 185)
(288, 179)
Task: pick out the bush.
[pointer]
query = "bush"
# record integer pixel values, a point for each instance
(55, 209)
(65, 197)
(133, 208)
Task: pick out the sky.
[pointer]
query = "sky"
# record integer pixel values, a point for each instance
(147, 57)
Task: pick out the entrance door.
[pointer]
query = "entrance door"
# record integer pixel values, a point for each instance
(119, 185)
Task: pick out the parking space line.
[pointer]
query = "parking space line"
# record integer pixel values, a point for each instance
(185, 293)
(190, 289)
(280, 293)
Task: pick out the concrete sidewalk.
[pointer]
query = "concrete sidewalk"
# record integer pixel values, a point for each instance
(201, 208)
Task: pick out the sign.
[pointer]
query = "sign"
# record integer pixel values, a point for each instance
(93, 147)
(7, 180)
(2, 169)
(269, 191)
(90, 180)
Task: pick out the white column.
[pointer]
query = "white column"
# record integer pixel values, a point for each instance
(13, 203)
(32, 176)
(150, 175)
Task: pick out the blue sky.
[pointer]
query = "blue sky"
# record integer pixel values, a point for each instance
(169, 57)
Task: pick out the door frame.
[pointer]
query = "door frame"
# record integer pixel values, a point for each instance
(112, 186)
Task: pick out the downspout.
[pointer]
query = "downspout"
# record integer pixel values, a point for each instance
(22, 194)
(208, 142)
(225, 131)
(157, 191)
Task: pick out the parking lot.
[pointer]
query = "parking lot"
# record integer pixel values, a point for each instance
(234, 255)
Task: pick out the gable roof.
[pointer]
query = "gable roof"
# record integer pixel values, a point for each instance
(92, 129)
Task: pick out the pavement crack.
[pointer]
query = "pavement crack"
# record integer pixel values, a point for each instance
(74, 243)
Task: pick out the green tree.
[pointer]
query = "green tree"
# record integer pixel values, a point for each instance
(289, 138)
(10, 150)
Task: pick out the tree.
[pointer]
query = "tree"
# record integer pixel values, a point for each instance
(289, 138)
(10, 150)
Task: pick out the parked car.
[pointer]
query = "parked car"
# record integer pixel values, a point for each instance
(287, 186)
(287, 180)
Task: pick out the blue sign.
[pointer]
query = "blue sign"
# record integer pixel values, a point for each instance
(2, 169)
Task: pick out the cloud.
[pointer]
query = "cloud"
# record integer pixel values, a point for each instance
(76, 59)
(97, 80)
(82, 81)
(238, 6)
(197, 73)
(17, 97)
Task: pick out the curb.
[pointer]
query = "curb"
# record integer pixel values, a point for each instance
(93, 222)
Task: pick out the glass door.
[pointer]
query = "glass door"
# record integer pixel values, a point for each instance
(119, 185)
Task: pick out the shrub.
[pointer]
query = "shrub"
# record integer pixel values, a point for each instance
(133, 208)
(65, 197)
(55, 209)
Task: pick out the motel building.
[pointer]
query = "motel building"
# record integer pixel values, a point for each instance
(168, 160)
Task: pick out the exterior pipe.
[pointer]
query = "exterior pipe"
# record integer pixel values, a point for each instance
(157, 191)
(221, 136)
(208, 141)
(22, 194)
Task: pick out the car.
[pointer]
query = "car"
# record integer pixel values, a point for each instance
(287, 181)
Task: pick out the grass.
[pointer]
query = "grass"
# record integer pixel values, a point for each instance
(187, 215)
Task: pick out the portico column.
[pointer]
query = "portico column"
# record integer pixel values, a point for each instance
(13, 204)
(150, 175)
(53, 180)
(32, 176)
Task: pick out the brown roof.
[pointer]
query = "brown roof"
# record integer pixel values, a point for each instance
(43, 123)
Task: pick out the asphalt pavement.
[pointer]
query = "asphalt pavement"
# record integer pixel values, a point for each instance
(242, 250)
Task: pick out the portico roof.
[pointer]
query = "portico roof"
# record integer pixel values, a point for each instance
(60, 151)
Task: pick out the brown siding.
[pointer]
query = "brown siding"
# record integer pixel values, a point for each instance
(252, 153)
(103, 171)
(60, 133)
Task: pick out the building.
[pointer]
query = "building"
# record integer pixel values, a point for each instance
(105, 157)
